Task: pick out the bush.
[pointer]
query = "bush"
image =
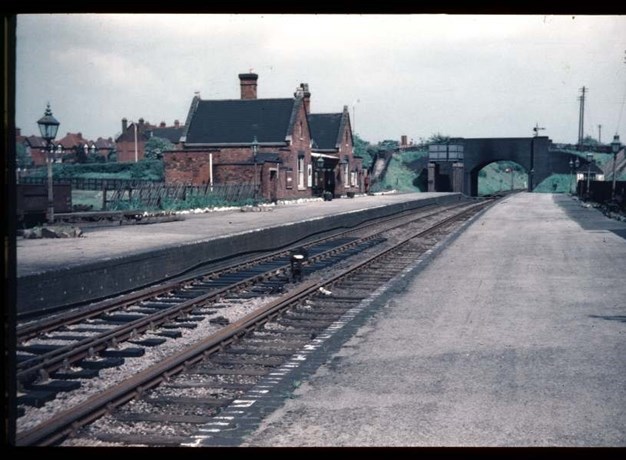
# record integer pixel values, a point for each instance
(145, 169)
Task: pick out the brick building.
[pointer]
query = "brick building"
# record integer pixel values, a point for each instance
(130, 144)
(263, 142)
(336, 167)
(36, 150)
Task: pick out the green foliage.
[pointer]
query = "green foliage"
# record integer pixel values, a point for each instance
(388, 144)
(438, 138)
(365, 150)
(556, 183)
(155, 146)
(494, 177)
(398, 177)
(145, 169)
(209, 201)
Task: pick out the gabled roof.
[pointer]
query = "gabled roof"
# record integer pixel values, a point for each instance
(71, 140)
(102, 143)
(238, 121)
(325, 129)
(170, 133)
(36, 142)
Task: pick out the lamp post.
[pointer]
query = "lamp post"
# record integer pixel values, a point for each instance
(616, 145)
(589, 161)
(255, 149)
(572, 164)
(48, 127)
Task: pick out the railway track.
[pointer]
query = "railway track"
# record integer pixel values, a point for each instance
(266, 338)
(53, 345)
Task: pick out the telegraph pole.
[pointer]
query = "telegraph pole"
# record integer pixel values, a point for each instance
(581, 118)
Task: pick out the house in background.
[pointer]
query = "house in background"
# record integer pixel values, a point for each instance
(36, 150)
(105, 147)
(266, 143)
(130, 144)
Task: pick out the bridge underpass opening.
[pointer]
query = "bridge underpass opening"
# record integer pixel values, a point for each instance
(501, 176)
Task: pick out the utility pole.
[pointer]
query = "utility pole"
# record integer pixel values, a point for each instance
(581, 118)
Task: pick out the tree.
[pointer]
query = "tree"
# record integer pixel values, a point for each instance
(388, 144)
(438, 138)
(364, 149)
(155, 147)
(588, 140)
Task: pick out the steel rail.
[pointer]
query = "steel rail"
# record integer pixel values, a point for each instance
(31, 330)
(60, 426)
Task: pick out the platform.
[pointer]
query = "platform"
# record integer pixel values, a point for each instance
(512, 336)
(110, 260)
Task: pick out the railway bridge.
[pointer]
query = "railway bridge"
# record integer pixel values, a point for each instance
(454, 166)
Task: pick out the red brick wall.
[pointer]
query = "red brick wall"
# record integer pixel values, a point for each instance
(186, 167)
(126, 150)
(192, 166)
(346, 148)
(38, 156)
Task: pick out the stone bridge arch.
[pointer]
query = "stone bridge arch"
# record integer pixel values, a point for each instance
(534, 154)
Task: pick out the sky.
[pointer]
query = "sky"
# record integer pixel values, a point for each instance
(414, 75)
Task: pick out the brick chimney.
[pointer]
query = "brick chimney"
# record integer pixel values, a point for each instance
(248, 85)
(176, 124)
(124, 124)
(303, 92)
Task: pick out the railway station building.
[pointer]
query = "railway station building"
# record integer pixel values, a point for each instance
(274, 145)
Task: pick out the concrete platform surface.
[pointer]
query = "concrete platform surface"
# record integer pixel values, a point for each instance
(515, 335)
(55, 273)
(104, 243)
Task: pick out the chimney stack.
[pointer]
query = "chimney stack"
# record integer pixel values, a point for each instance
(303, 92)
(403, 141)
(176, 124)
(248, 85)
(162, 124)
(124, 124)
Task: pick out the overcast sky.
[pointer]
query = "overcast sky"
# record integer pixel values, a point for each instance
(466, 76)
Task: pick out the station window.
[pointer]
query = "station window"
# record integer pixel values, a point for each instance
(301, 172)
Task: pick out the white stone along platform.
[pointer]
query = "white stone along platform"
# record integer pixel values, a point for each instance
(514, 335)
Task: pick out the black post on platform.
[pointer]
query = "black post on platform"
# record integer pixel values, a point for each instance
(48, 127)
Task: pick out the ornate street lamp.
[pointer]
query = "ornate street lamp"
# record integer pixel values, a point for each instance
(48, 127)
(616, 145)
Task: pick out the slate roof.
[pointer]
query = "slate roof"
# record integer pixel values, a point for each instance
(36, 142)
(71, 140)
(238, 121)
(170, 133)
(325, 129)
